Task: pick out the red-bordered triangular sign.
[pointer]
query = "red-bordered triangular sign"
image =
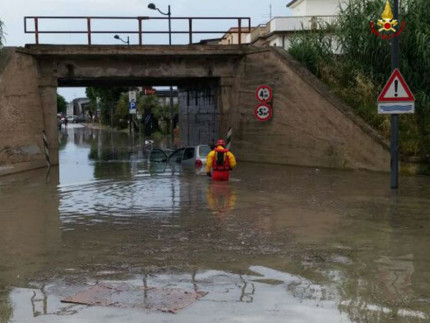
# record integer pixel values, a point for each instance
(396, 89)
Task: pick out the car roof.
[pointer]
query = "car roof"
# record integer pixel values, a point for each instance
(194, 146)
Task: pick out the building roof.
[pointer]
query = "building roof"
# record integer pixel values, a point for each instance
(210, 40)
(292, 2)
(235, 30)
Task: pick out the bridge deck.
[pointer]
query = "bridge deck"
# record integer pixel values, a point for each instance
(148, 50)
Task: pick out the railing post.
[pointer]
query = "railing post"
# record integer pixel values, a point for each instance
(240, 30)
(89, 30)
(36, 30)
(190, 24)
(140, 30)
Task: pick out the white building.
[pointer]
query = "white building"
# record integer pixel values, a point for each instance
(232, 36)
(305, 15)
(314, 7)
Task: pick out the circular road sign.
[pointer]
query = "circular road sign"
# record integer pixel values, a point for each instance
(264, 93)
(263, 112)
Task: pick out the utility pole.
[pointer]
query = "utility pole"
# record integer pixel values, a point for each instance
(395, 52)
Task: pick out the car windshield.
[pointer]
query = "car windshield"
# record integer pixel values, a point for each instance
(204, 151)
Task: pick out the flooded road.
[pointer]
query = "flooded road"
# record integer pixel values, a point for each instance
(310, 245)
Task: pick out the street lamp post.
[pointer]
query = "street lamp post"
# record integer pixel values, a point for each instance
(125, 42)
(154, 7)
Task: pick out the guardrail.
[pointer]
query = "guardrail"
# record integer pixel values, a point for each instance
(241, 28)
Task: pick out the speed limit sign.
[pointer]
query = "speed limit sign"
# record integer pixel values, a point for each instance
(263, 112)
(264, 93)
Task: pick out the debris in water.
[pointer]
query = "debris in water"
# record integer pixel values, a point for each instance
(125, 296)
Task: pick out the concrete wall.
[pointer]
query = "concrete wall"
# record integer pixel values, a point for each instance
(309, 127)
(21, 116)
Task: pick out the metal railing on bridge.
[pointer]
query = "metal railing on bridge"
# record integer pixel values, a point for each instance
(242, 26)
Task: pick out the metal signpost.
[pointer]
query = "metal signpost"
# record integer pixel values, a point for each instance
(395, 117)
(132, 106)
(396, 97)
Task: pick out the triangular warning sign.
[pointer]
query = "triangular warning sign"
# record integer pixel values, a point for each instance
(396, 89)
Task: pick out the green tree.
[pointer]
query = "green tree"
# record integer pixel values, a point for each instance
(109, 97)
(160, 112)
(61, 104)
(147, 102)
(1, 33)
(361, 69)
(121, 114)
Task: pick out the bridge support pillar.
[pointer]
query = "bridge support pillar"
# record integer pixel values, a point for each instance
(226, 103)
(48, 99)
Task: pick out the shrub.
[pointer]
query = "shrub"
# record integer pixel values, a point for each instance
(363, 66)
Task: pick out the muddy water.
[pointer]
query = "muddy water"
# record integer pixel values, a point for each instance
(309, 244)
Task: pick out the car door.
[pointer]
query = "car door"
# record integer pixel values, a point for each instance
(177, 156)
(189, 156)
(157, 156)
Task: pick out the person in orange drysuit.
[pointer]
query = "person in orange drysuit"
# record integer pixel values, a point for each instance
(220, 161)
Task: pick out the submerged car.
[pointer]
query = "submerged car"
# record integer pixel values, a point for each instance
(186, 156)
(71, 118)
(191, 156)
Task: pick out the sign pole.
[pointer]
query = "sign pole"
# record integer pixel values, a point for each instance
(395, 49)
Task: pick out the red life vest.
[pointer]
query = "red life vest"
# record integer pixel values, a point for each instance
(220, 160)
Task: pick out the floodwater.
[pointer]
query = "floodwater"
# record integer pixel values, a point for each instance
(275, 244)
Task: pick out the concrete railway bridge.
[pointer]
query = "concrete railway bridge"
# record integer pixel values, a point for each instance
(309, 126)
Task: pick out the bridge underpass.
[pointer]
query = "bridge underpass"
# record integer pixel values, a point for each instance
(309, 127)
(198, 115)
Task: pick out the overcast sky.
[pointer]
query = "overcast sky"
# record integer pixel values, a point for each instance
(13, 11)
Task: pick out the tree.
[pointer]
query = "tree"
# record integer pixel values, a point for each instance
(109, 97)
(61, 104)
(1, 33)
(159, 112)
(121, 114)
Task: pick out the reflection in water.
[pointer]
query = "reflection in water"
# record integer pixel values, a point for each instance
(39, 302)
(339, 241)
(221, 199)
(225, 293)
